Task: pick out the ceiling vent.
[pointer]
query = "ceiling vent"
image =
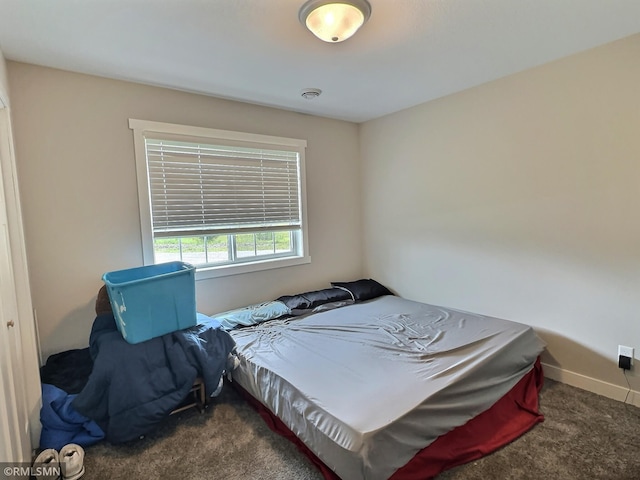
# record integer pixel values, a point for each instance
(311, 93)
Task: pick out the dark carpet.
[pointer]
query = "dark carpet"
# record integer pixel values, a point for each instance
(584, 436)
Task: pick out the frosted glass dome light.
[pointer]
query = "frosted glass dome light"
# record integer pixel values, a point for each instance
(334, 21)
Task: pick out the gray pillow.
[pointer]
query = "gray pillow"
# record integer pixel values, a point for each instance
(252, 315)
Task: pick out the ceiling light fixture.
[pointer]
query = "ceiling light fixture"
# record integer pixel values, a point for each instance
(334, 21)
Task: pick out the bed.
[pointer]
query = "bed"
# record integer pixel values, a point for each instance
(369, 383)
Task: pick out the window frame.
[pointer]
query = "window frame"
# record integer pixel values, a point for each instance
(143, 128)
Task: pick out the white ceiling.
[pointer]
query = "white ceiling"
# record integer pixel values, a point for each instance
(409, 52)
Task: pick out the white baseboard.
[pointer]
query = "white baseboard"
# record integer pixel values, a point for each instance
(593, 385)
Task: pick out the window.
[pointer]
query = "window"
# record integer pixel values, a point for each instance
(226, 202)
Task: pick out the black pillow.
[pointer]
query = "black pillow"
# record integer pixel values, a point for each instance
(364, 289)
(310, 300)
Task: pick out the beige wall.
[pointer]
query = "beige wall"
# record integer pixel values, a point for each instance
(78, 185)
(520, 199)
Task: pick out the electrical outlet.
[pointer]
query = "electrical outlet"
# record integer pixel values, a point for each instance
(625, 352)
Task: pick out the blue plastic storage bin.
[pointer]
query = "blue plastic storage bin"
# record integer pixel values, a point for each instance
(151, 301)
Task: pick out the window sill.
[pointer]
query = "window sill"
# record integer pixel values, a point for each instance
(203, 273)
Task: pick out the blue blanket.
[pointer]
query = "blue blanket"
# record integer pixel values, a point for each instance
(133, 387)
(61, 424)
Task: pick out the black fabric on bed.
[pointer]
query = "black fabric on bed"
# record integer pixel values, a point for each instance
(311, 300)
(364, 289)
(134, 387)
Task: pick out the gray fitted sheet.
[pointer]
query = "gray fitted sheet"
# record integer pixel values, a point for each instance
(367, 386)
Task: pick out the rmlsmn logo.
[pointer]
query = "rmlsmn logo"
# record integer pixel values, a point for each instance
(21, 471)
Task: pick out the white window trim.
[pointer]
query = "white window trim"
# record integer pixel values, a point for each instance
(142, 127)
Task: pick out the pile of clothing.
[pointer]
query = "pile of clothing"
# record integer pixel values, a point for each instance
(119, 391)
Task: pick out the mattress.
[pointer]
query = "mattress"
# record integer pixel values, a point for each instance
(367, 386)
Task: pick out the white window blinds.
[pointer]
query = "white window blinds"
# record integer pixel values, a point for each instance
(204, 189)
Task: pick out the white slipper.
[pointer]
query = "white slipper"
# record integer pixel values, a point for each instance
(49, 461)
(71, 461)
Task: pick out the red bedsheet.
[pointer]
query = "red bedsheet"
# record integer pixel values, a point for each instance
(511, 416)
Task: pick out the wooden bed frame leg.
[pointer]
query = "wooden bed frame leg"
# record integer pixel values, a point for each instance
(198, 391)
